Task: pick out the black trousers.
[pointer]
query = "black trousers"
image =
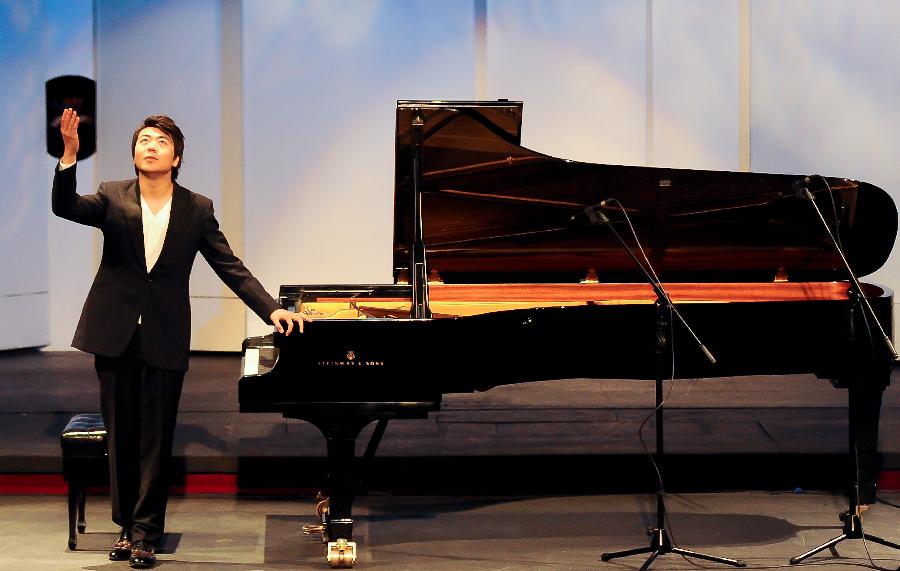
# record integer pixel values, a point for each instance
(139, 405)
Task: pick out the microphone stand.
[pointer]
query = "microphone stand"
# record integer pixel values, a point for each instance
(806, 194)
(852, 528)
(660, 544)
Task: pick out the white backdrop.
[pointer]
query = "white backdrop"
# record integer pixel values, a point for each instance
(301, 96)
(73, 249)
(321, 81)
(24, 298)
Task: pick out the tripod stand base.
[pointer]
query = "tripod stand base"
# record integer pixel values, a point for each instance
(660, 545)
(852, 530)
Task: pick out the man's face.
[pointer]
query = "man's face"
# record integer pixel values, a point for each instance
(154, 152)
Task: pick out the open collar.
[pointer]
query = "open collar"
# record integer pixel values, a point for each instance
(178, 221)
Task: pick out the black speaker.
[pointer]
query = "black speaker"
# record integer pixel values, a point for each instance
(79, 93)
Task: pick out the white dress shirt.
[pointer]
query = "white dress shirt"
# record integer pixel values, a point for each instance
(155, 227)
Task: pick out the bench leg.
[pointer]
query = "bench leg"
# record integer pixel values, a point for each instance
(82, 497)
(73, 514)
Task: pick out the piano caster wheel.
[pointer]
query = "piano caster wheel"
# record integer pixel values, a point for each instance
(341, 554)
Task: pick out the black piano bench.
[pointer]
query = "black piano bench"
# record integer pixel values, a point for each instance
(85, 463)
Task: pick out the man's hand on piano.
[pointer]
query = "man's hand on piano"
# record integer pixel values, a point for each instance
(280, 316)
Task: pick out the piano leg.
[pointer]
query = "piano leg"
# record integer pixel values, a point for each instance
(337, 511)
(864, 407)
(341, 549)
(864, 410)
(341, 484)
(341, 427)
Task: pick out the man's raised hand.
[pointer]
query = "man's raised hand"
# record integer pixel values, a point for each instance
(68, 128)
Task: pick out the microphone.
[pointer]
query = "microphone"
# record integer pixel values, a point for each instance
(594, 214)
(591, 215)
(799, 189)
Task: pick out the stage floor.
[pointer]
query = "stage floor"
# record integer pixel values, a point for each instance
(748, 429)
(453, 533)
(543, 475)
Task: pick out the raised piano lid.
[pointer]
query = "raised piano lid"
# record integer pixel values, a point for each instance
(495, 211)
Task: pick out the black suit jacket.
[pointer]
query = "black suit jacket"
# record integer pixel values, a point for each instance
(123, 289)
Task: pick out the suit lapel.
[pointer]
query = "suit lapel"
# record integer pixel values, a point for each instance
(179, 216)
(133, 217)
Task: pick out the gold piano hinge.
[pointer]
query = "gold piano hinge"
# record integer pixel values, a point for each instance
(403, 277)
(591, 277)
(781, 275)
(434, 277)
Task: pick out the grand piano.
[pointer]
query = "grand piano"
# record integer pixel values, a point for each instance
(498, 279)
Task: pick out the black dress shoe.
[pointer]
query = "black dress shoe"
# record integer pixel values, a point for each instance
(121, 550)
(143, 556)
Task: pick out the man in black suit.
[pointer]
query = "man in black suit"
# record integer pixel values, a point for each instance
(136, 319)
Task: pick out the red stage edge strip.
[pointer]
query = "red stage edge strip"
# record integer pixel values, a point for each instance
(193, 484)
(226, 484)
(206, 484)
(33, 484)
(889, 480)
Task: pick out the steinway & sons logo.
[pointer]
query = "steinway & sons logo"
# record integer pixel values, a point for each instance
(350, 360)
